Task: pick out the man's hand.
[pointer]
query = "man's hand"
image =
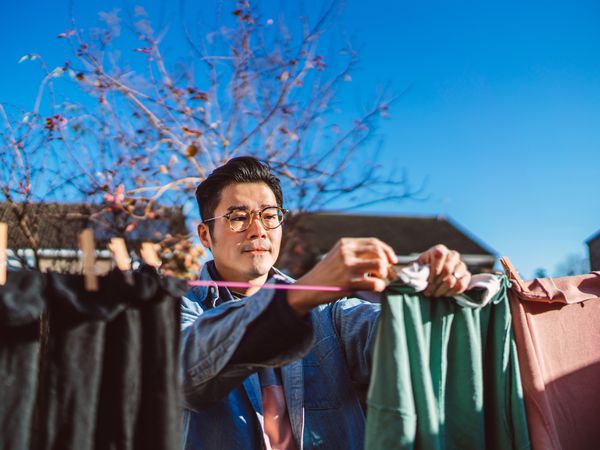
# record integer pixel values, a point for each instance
(353, 264)
(356, 264)
(448, 275)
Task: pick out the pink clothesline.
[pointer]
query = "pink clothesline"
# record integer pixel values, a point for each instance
(285, 287)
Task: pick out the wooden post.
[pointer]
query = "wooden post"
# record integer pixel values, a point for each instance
(121, 255)
(149, 255)
(88, 249)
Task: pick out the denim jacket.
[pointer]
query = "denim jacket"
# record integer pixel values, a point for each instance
(222, 401)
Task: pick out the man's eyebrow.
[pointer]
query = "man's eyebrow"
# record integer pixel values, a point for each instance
(233, 207)
(264, 205)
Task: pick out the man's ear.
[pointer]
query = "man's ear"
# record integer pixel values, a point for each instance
(204, 235)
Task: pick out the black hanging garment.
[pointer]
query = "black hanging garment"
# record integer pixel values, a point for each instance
(139, 404)
(21, 306)
(109, 371)
(159, 426)
(72, 370)
(121, 384)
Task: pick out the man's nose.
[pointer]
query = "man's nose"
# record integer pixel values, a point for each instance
(256, 228)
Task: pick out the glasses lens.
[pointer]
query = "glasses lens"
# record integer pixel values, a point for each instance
(272, 217)
(239, 220)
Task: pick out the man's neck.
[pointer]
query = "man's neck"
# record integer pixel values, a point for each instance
(257, 282)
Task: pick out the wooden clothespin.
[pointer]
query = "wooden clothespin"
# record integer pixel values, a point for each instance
(149, 255)
(3, 256)
(121, 255)
(88, 249)
(512, 273)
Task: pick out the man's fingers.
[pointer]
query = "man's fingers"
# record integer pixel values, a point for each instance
(444, 287)
(367, 256)
(375, 247)
(448, 276)
(368, 283)
(453, 284)
(446, 272)
(371, 251)
(437, 260)
(390, 253)
(461, 276)
(451, 264)
(373, 267)
(461, 270)
(461, 285)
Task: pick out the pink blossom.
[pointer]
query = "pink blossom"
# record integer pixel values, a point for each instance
(132, 226)
(319, 63)
(118, 196)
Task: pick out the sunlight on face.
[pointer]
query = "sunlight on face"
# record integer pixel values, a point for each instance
(247, 255)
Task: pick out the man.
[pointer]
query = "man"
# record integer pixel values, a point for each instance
(275, 369)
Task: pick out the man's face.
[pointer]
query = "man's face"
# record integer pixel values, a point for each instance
(249, 254)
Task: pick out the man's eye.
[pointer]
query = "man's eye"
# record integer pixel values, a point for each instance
(238, 218)
(270, 216)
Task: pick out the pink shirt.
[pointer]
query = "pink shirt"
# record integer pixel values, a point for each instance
(277, 427)
(556, 322)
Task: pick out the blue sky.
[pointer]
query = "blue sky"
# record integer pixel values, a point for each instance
(502, 117)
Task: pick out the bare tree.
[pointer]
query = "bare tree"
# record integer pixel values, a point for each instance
(150, 129)
(25, 160)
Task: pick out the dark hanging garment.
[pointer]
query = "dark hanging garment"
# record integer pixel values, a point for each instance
(159, 425)
(121, 385)
(21, 305)
(74, 359)
(109, 373)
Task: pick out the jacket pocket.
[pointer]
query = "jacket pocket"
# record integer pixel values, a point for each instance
(320, 368)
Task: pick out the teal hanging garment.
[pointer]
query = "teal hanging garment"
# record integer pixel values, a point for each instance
(445, 376)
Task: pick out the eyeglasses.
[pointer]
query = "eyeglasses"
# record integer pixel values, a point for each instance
(240, 219)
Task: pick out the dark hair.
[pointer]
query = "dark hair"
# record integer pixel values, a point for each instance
(243, 169)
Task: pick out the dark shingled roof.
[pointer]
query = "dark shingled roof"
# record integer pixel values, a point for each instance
(406, 235)
(594, 251)
(57, 225)
(593, 238)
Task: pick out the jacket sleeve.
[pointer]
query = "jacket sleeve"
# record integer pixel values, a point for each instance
(211, 361)
(355, 322)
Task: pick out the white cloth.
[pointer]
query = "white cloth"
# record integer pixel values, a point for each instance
(415, 275)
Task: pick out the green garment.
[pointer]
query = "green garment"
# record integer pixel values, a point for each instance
(444, 377)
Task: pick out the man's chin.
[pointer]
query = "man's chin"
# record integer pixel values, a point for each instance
(256, 265)
(260, 266)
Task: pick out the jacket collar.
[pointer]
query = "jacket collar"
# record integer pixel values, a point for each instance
(211, 296)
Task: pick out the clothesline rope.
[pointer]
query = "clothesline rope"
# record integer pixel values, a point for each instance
(285, 287)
